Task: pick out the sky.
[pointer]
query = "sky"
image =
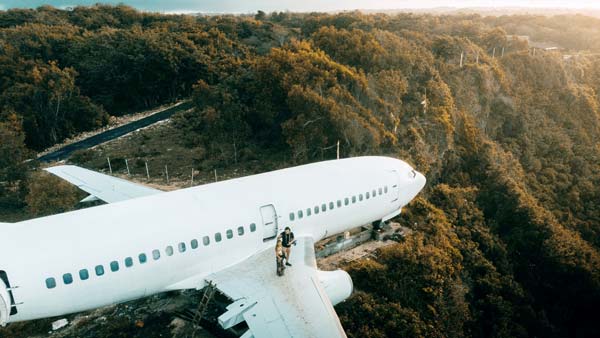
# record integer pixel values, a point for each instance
(250, 6)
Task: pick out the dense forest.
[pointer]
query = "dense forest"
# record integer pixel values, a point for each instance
(507, 231)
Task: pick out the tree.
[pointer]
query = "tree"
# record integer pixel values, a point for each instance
(49, 195)
(13, 169)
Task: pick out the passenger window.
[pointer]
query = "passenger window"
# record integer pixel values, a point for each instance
(142, 258)
(331, 205)
(206, 239)
(316, 210)
(99, 270)
(68, 278)
(323, 207)
(339, 203)
(368, 195)
(129, 261)
(229, 234)
(252, 227)
(194, 244)
(291, 216)
(360, 197)
(300, 214)
(218, 237)
(308, 212)
(353, 199)
(114, 266)
(385, 189)
(374, 193)
(346, 201)
(155, 254)
(83, 274)
(181, 247)
(169, 250)
(240, 231)
(380, 191)
(50, 283)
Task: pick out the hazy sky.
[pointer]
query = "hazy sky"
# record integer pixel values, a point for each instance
(246, 6)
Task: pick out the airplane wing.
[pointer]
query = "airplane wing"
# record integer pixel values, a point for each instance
(104, 187)
(294, 305)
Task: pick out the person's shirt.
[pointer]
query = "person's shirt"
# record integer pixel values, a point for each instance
(287, 239)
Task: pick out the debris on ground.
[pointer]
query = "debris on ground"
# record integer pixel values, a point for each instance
(59, 324)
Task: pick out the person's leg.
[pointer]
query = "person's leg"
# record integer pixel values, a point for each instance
(287, 252)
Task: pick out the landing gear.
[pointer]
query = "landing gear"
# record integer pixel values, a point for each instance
(377, 225)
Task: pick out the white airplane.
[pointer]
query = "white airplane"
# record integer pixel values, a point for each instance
(145, 241)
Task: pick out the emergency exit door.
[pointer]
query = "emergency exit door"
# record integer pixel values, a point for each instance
(269, 218)
(395, 188)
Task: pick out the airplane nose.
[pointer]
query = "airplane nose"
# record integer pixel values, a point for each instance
(412, 186)
(420, 181)
(416, 185)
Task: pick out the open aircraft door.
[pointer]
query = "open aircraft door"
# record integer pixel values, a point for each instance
(269, 219)
(7, 302)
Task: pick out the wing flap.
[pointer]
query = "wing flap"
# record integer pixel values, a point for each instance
(294, 305)
(104, 187)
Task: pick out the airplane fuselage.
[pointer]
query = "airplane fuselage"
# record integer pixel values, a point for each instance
(117, 252)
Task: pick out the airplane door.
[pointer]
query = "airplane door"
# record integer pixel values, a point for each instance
(269, 218)
(395, 188)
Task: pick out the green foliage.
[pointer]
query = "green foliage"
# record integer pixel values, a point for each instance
(12, 167)
(48, 194)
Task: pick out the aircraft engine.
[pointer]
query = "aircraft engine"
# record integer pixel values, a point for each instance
(337, 284)
(4, 304)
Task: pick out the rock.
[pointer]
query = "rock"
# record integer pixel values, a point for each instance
(59, 324)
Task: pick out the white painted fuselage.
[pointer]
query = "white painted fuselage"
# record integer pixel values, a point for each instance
(34, 251)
